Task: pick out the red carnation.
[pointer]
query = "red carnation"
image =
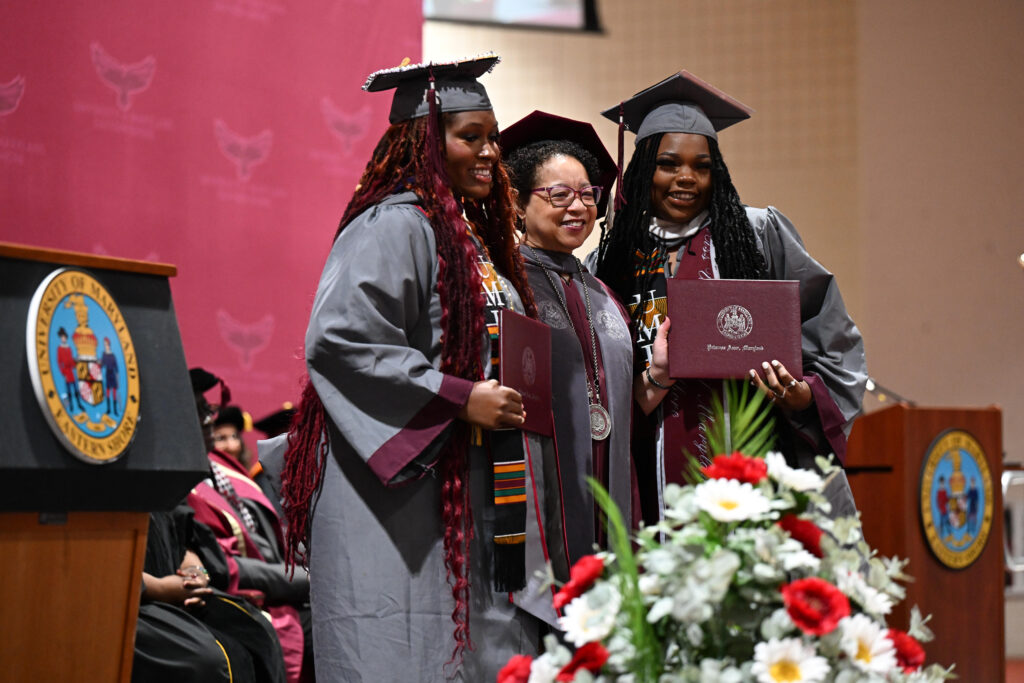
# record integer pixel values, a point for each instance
(591, 657)
(805, 531)
(909, 653)
(815, 605)
(736, 466)
(581, 577)
(517, 670)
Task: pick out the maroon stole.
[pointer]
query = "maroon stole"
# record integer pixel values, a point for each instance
(688, 403)
(599, 447)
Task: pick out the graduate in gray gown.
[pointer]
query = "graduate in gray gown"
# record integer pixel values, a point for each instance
(682, 218)
(421, 524)
(562, 176)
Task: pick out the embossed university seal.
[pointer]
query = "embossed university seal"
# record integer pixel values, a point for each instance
(83, 366)
(734, 322)
(529, 366)
(956, 498)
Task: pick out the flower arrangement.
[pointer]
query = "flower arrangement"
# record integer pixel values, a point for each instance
(746, 578)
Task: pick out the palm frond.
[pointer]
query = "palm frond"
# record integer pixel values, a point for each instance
(747, 426)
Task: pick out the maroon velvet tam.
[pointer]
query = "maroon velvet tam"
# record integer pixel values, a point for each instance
(540, 125)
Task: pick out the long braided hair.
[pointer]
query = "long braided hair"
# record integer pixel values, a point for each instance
(629, 254)
(410, 156)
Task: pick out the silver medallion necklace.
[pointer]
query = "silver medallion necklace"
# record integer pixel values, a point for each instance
(600, 420)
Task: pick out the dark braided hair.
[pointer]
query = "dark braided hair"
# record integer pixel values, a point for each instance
(409, 157)
(627, 246)
(523, 164)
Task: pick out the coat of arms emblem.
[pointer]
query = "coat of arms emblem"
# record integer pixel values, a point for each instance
(956, 498)
(83, 366)
(734, 322)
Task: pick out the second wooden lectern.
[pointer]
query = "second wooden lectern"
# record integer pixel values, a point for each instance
(926, 481)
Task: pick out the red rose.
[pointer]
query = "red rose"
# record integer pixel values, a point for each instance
(909, 653)
(581, 577)
(591, 657)
(815, 605)
(805, 531)
(736, 466)
(516, 671)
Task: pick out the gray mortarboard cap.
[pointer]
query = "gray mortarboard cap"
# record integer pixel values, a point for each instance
(456, 83)
(682, 103)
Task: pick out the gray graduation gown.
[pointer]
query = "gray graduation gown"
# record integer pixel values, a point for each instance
(381, 601)
(569, 362)
(831, 344)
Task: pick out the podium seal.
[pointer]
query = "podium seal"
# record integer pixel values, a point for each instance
(83, 366)
(956, 498)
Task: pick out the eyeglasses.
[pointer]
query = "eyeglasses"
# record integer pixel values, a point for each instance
(563, 195)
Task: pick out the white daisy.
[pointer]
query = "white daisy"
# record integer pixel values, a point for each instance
(788, 660)
(798, 480)
(591, 616)
(866, 644)
(727, 500)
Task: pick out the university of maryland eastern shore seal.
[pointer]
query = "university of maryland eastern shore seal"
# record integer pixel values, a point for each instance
(956, 498)
(83, 365)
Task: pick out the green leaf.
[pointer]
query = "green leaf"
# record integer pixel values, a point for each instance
(747, 426)
(648, 663)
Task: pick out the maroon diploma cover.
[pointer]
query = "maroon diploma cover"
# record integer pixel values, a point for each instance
(723, 328)
(524, 357)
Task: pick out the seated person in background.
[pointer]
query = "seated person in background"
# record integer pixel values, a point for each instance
(186, 629)
(249, 532)
(228, 427)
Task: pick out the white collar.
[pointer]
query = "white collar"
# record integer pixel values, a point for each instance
(669, 231)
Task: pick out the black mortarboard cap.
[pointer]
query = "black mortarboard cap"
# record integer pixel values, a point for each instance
(456, 83)
(202, 380)
(277, 422)
(231, 415)
(682, 103)
(540, 125)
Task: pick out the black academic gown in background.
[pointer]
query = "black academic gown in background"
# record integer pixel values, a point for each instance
(224, 640)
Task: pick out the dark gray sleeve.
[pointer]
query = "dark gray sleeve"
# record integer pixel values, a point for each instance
(273, 580)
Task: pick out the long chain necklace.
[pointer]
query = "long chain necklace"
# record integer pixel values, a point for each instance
(600, 420)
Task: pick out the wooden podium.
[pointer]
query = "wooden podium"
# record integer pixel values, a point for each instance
(885, 464)
(73, 532)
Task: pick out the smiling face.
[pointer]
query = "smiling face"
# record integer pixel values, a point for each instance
(552, 227)
(681, 186)
(471, 146)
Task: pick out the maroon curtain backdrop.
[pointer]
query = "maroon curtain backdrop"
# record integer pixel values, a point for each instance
(223, 136)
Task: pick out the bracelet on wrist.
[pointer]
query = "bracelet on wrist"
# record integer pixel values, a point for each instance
(654, 382)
